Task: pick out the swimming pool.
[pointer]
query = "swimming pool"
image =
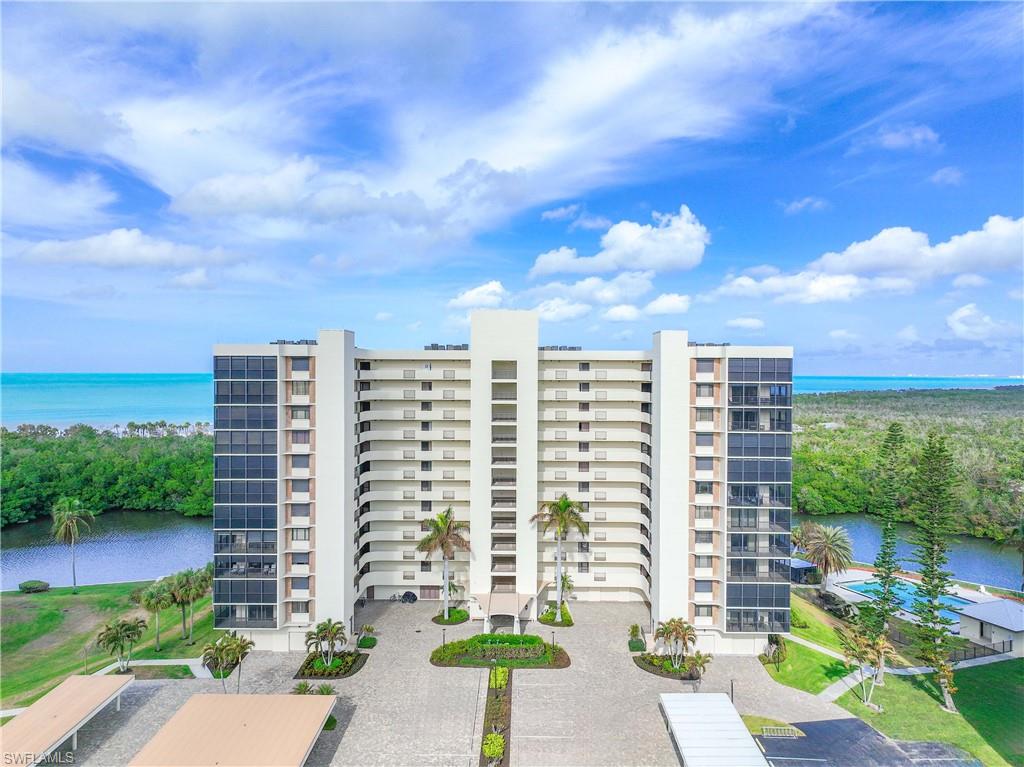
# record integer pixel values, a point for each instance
(907, 592)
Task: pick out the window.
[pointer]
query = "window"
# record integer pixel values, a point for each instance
(426, 406)
(583, 487)
(301, 388)
(703, 611)
(703, 587)
(705, 390)
(705, 440)
(300, 437)
(300, 364)
(584, 466)
(705, 366)
(583, 547)
(364, 365)
(584, 407)
(703, 488)
(300, 559)
(408, 374)
(300, 485)
(425, 484)
(560, 435)
(300, 533)
(583, 567)
(300, 509)
(300, 413)
(424, 425)
(426, 386)
(561, 375)
(702, 562)
(300, 461)
(426, 466)
(584, 367)
(705, 415)
(584, 386)
(425, 566)
(703, 536)
(705, 512)
(300, 584)
(584, 447)
(425, 446)
(426, 505)
(704, 463)
(559, 475)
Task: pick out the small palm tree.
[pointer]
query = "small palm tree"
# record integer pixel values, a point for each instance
(563, 515)
(855, 650)
(118, 637)
(240, 649)
(830, 549)
(324, 689)
(70, 517)
(677, 635)
(302, 688)
(156, 598)
(325, 637)
(878, 649)
(217, 658)
(699, 662)
(444, 534)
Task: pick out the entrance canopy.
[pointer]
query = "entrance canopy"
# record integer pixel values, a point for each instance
(708, 732)
(57, 716)
(239, 731)
(503, 603)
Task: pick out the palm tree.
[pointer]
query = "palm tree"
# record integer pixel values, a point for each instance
(240, 649)
(69, 516)
(302, 688)
(829, 548)
(699, 662)
(878, 649)
(563, 515)
(198, 585)
(677, 635)
(118, 637)
(156, 598)
(325, 636)
(799, 535)
(855, 650)
(178, 587)
(217, 658)
(444, 534)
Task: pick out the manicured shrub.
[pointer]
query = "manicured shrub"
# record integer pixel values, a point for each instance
(33, 587)
(637, 645)
(344, 664)
(367, 643)
(498, 678)
(548, 616)
(494, 745)
(331, 723)
(487, 647)
(662, 666)
(634, 631)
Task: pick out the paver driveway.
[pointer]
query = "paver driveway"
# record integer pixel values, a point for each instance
(399, 710)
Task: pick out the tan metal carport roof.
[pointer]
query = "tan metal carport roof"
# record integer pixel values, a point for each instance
(57, 716)
(239, 731)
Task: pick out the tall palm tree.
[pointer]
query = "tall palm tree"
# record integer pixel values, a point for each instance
(118, 637)
(179, 588)
(563, 515)
(677, 635)
(197, 586)
(800, 534)
(830, 549)
(156, 598)
(69, 518)
(444, 534)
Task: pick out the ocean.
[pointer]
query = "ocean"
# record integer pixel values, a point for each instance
(106, 399)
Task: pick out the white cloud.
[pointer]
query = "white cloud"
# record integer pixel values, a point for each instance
(383, 316)
(626, 286)
(192, 279)
(564, 213)
(490, 294)
(36, 200)
(622, 313)
(999, 244)
(809, 287)
(907, 335)
(1016, 294)
(969, 281)
(842, 334)
(668, 303)
(804, 204)
(674, 242)
(899, 138)
(745, 323)
(971, 324)
(270, 194)
(948, 176)
(622, 335)
(124, 248)
(763, 270)
(560, 309)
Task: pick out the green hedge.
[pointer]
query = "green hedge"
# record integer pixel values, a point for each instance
(637, 645)
(33, 587)
(455, 615)
(548, 616)
(509, 649)
(367, 642)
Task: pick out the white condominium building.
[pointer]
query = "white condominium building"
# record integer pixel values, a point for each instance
(330, 458)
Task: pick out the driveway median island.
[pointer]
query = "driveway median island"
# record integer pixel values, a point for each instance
(504, 650)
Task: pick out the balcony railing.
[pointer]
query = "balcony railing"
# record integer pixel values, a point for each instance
(502, 460)
(244, 623)
(244, 548)
(754, 578)
(754, 551)
(503, 438)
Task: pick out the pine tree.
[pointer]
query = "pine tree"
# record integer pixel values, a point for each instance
(876, 616)
(934, 507)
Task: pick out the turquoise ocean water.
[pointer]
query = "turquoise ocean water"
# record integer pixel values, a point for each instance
(105, 399)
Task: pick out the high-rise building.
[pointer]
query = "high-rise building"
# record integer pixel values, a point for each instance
(330, 458)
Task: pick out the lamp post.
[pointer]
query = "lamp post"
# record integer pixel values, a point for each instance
(442, 638)
(552, 645)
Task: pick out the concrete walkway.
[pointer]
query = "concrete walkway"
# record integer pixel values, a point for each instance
(195, 665)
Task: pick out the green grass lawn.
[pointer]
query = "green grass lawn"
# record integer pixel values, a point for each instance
(49, 636)
(807, 669)
(990, 699)
(820, 627)
(757, 723)
(159, 672)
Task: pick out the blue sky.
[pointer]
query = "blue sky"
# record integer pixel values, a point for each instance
(843, 178)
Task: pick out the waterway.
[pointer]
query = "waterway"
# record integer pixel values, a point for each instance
(970, 559)
(120, 546)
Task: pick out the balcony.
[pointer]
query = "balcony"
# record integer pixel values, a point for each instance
(244, 623)
(503, 525)
(243, 548)
(753, 551)
(508, 438)
(503, 460)
(503, 568)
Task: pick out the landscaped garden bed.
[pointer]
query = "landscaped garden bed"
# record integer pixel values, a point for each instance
(548, 616)
(495, 745)
(506, 650)
(455, 616)
(344, 664)
(661, 665)
(158, 672)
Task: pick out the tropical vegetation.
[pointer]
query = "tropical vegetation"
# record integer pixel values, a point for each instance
(562, 515)
(677, 636)
(835, 453)
(104, 470)
(828, 547)
(562, 619)
(119, 638)
(444, 535)
(509, 650)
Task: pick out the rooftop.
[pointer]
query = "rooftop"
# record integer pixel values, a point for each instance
(1005, 613)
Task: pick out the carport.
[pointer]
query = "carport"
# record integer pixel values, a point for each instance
(707, 731)
(239, 731)
(36, 732)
